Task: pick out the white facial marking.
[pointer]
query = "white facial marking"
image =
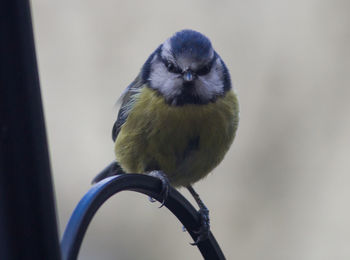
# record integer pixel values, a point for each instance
(171, 85)
(167, 83)
(211, 84)
(167, 52)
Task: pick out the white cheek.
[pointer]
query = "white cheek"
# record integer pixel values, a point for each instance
(169, 84)
(211, 85)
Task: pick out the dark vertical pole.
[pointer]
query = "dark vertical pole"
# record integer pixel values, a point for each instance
(28, 228)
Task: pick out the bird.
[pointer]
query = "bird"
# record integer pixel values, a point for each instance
(178, 118)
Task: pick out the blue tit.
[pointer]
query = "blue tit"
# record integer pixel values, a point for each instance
(179, 116)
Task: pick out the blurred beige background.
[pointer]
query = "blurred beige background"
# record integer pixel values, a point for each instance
(282, 191)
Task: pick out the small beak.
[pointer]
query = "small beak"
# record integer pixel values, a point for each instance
(188, 76)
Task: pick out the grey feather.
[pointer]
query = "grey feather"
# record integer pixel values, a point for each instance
(126, 99)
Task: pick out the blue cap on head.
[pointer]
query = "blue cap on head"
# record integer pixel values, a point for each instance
(191, 43)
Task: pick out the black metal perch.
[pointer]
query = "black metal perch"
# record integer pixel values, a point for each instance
(148, 185)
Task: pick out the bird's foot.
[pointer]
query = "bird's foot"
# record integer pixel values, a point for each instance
(165, 185)
(203, 231)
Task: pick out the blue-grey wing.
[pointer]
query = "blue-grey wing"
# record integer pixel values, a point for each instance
(128, 96)
(127, 99)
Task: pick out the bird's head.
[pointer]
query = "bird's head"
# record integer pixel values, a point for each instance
(185, 69)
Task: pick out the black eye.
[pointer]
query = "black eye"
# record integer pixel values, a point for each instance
(204, 70)
(171, 67)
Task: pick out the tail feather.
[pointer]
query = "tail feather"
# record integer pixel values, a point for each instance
(112, 169)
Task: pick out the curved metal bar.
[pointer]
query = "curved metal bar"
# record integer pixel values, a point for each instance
(100, 192)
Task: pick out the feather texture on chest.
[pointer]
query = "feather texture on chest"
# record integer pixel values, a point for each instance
(186, 142)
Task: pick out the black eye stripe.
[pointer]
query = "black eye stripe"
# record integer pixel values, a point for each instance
(206, 68)
(170, 66)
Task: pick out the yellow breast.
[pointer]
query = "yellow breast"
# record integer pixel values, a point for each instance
(185, 142)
